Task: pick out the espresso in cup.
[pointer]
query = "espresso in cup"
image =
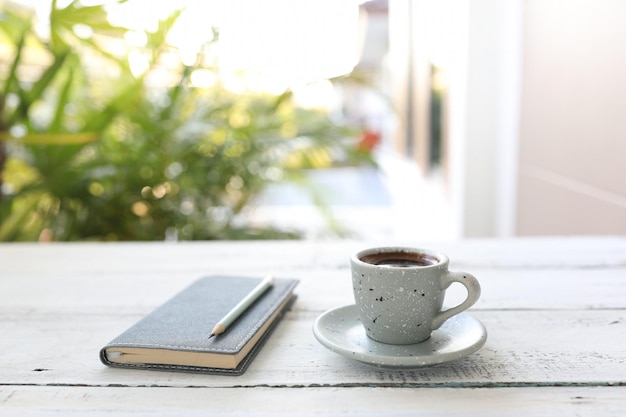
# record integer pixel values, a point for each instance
(399, 292)
(400, 259)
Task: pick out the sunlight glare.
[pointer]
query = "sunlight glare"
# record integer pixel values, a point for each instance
(266, 45)
(203, 78)
(138, 62)
(291, 42)
(276, 44)
(319, 94)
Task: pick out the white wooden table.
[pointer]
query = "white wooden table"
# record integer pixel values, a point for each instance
(555, 310)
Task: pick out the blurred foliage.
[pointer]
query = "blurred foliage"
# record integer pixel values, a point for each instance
(89, 150)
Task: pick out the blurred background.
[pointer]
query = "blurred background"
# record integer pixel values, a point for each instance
(382, 119)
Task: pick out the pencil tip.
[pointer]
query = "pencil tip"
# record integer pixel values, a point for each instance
(212, 335)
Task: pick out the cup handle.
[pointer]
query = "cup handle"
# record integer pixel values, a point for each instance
(470, 283)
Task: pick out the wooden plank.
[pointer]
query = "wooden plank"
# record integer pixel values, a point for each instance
(320, 288)
(497, 402)
(524, 273)
(547, 288)
(524, 348)
(276, 256)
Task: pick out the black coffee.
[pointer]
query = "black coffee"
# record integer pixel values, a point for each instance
(400, 259)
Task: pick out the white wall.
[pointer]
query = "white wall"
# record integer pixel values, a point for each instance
(573, 118)
(485, 181)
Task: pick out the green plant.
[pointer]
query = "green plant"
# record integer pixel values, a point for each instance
(88, 150)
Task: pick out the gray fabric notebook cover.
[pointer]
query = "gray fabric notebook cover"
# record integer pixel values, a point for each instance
(185, 321)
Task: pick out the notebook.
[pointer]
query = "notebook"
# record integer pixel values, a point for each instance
(175, 336)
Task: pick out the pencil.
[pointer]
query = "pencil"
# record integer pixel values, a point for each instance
(242, 306)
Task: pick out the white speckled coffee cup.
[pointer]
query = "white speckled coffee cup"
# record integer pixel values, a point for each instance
(399, 292)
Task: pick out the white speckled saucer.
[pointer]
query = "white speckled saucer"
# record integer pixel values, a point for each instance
(340, 330)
